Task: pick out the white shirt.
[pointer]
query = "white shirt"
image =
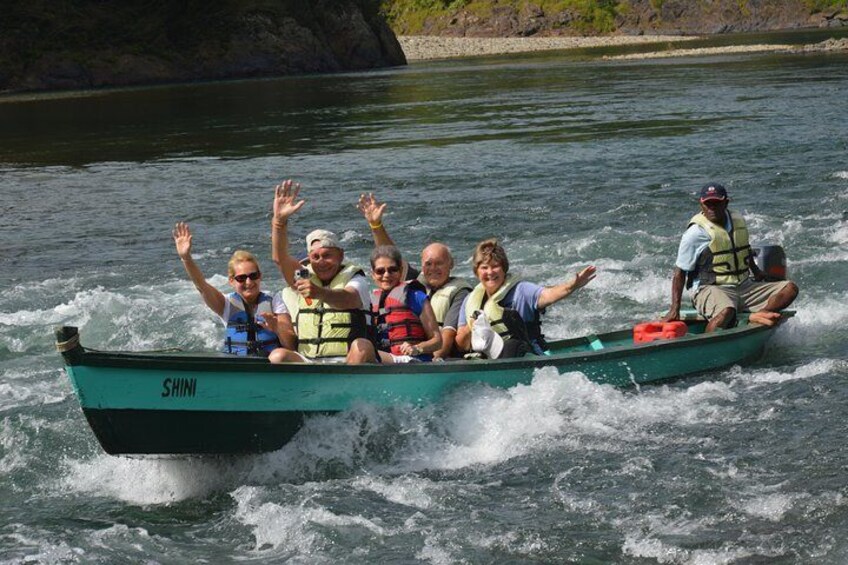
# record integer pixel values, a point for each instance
(278, 305)
(360, 283)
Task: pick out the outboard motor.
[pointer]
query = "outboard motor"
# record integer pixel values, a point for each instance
(771, 260)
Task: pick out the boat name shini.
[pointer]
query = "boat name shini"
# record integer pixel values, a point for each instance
(179, 387)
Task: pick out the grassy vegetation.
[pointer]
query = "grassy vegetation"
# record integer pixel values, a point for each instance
(819, 5)
(592, 16)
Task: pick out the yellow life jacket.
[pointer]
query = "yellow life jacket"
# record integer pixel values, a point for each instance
(725, 260)
(324, 331)
(442, 298)
(491, 306)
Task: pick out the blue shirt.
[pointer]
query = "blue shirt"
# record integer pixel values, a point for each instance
(415, 300)
(694, 241)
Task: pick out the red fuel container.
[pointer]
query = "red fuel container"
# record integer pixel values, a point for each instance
(651, 331)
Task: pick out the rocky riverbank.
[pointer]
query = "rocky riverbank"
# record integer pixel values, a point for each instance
(419, 48)
(830, 45)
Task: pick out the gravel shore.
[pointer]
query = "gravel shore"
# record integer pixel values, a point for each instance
(419, 47)
(829, 45)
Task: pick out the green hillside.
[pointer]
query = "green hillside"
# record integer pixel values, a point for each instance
(581, 16)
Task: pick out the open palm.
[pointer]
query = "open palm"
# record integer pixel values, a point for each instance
(182, 240)
(371, 208)
(285, 199)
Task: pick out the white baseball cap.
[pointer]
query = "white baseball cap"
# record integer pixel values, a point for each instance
(484, 339)
(324, 238)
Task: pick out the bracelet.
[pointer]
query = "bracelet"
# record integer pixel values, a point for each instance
(375, 226)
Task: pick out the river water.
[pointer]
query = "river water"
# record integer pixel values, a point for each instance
(571, 160)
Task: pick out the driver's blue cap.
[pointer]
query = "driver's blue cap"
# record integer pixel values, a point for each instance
(713, 191)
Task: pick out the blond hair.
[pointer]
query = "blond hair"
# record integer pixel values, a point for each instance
(489, 251)
(241, 256)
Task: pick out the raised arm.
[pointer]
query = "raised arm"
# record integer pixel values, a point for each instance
(678, 279)
(373, 211)
(213, 297)
(552, 294)
(285, 205)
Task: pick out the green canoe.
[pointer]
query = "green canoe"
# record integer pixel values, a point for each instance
(190, 403)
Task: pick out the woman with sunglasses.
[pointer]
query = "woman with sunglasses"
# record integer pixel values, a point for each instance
(405, 325)
(256, 322)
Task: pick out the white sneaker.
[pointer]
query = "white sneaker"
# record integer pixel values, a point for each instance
(404, 359)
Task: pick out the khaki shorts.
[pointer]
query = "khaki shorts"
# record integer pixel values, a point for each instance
(748, 296)
(327, 360)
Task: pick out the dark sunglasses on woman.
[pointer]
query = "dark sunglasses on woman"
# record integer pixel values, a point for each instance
(252, 276)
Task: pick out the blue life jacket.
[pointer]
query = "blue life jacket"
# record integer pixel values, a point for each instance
(244, 335)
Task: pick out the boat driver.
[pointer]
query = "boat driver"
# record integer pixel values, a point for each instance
(328, 299)
(714, 259)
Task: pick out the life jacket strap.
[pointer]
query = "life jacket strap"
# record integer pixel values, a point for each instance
(406, 339)
(320, 340)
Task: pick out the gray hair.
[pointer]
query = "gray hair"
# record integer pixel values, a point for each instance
(389, 252)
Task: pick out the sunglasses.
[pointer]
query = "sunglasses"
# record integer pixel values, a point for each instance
(380, 271)
(252, 276)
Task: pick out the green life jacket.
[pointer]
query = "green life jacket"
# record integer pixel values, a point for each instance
(491, 305)
(324, 331)
(725, 260)
(442, 298)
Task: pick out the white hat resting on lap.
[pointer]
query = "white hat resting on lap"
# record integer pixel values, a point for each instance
(484, 339)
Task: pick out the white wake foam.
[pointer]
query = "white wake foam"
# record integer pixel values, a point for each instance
(290, 528)
(151, 481)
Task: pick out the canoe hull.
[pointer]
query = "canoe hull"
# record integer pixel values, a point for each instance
(154, 403)
(200, 432)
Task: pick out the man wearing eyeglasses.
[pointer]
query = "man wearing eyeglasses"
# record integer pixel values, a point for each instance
(445, 292)
(715, 260)
(328, 300)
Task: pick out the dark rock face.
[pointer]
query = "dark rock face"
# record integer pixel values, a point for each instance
(636, 17)
(50, 46)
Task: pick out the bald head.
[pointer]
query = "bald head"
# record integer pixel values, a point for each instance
(436, 264)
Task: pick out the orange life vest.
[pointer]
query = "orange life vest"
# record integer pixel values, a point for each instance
(394, 320)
